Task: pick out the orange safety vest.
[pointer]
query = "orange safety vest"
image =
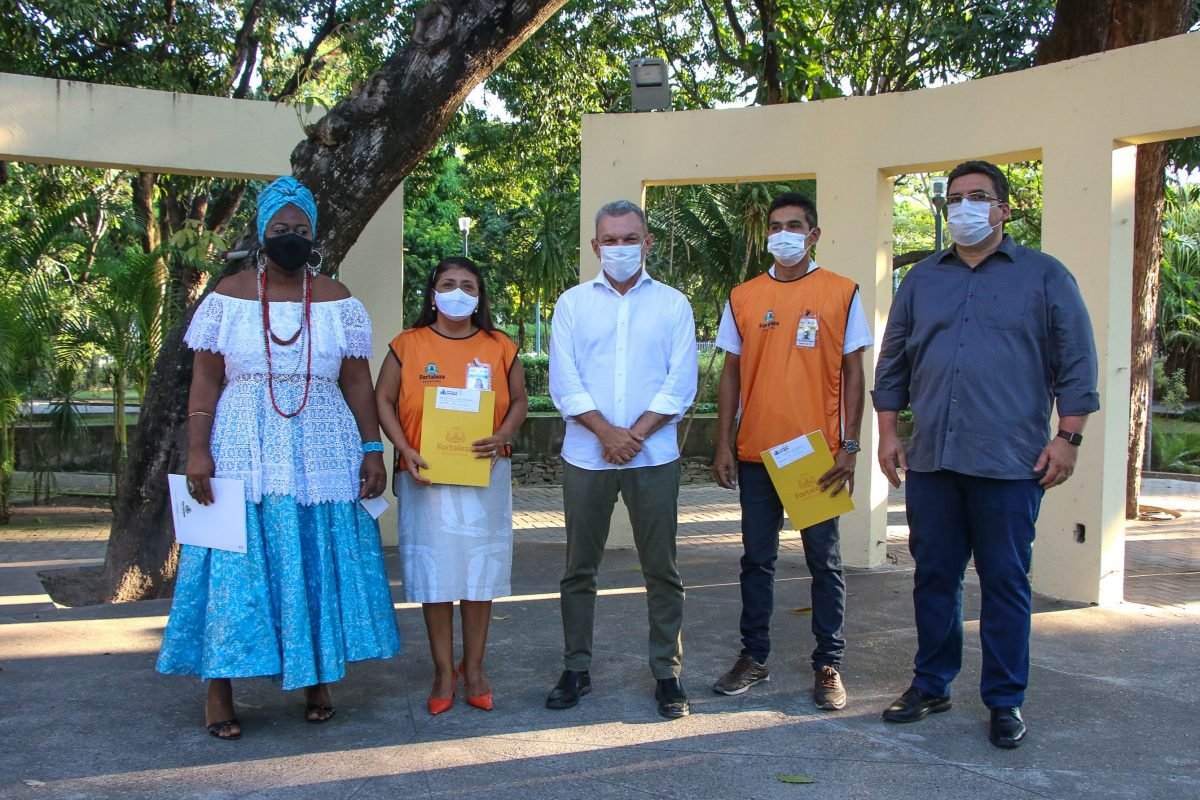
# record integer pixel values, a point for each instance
(789, 388)
(429, 359)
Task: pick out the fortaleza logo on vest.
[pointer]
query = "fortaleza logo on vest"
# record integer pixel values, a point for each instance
(431, 373)
(768, 321)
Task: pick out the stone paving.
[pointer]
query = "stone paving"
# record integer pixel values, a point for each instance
(1162, 558)
(1111, 707)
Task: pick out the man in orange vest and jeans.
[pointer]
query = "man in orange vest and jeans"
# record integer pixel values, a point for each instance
(793, 341)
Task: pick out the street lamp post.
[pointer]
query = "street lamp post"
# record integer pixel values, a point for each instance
(938, 197)
(464, 227)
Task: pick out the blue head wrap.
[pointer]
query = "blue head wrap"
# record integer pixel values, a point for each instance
(281, 192)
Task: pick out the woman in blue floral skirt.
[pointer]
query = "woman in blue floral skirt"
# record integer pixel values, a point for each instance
(282, 399)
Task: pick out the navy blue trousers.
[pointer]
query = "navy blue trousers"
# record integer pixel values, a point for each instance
(952, 517)
(762, 519)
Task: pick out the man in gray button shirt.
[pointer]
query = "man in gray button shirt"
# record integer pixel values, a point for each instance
(983, 339)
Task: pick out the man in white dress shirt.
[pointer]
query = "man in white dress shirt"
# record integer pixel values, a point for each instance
(622, 372)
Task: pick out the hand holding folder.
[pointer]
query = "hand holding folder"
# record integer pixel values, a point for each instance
(451, 420)
(795, 467)
(220, 525)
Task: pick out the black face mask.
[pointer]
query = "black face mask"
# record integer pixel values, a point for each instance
(289, 250)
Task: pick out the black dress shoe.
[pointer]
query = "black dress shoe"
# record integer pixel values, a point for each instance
(1007, 728)
(914, 705)
(672, 700)
(571, 686)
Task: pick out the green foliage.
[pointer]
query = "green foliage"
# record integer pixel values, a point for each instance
(1175, 452)
(1171, 387)
(711, 364)
(537, 373)
(541, 404)
(1178, 326)
(710, 238)
(432, 206)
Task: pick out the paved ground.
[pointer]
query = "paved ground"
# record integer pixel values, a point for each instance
(1111, 707)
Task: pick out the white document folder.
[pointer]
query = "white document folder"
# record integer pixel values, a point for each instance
(220, 525)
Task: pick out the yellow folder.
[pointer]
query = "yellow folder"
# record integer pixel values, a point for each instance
(452, 419)
(804, 460)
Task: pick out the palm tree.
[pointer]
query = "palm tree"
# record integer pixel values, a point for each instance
(125, 315)
(551, 253)
(1179, 295)
(709, 238)
(31, 264)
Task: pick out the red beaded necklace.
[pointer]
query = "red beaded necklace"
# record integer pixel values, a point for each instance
(269, 336)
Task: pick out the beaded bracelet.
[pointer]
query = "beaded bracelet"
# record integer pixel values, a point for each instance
(201, 413)
(372, 447)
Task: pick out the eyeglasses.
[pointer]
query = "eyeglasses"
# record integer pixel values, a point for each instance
(978, 196)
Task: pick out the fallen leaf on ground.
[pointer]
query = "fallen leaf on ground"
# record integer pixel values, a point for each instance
(802, 611)
(31, 782)
(499, 617)
(794, 779)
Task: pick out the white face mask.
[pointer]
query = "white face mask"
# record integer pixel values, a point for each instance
(968, 221)
(456, 304)
(788, 248)
(621, 261)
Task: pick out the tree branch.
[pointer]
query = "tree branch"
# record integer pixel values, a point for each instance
(222, 209)
(731, 14)
(305, 70)
(723, 55)
(245, 53)
(911, 257)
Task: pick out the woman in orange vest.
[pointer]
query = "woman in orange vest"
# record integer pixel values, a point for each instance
(455, 541)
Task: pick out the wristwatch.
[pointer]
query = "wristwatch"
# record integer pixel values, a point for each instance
(851, 446)
(1072, 438)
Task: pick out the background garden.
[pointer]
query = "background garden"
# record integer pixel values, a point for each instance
(97, 266)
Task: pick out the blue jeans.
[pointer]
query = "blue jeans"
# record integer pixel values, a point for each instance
(951, 517)
(762, 519)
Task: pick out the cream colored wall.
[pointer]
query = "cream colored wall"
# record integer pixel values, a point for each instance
(85, 124)
(88, 124)
(374, 271)
(1076, 116)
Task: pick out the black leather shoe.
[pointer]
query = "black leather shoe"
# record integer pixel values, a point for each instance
(571, 686)
(1007, 728)
(672, 700)
(914, 705)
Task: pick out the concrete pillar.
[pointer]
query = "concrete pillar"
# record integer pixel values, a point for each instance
(374, 272)
(854, 206)
(1087, 222)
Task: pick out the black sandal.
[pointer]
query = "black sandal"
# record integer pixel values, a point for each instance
(328, 711)
(215, 729)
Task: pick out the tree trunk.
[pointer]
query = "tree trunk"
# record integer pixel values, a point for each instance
(1083, 27)
(120, 430)
(352, 160)
(1147, 260)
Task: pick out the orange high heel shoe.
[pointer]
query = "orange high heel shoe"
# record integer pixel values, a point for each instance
(481, 701)
(440, 705)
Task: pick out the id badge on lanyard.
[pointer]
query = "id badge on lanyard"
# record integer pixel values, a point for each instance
(807, 330)
(479, 375)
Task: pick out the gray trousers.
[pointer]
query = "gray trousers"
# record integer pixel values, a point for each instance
(652, 496)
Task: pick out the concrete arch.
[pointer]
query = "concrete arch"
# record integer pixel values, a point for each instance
(1081, 117)
(83, 124)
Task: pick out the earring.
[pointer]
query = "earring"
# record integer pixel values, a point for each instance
(315, 269)
(260, 261)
